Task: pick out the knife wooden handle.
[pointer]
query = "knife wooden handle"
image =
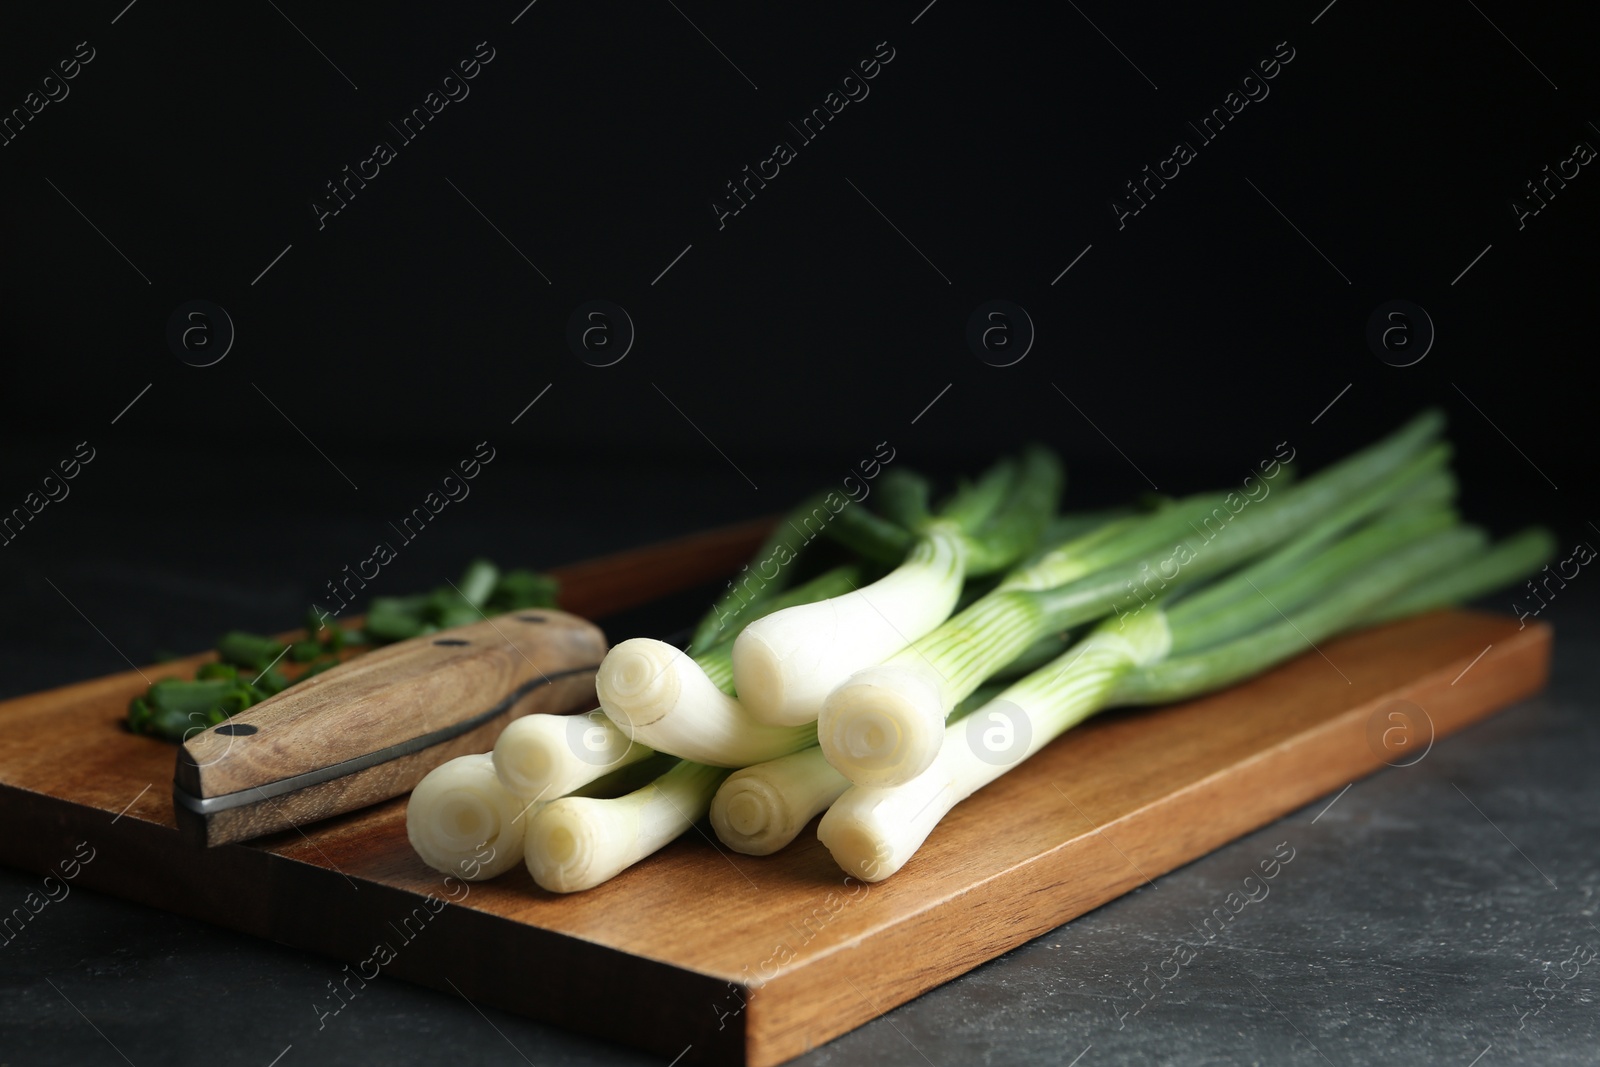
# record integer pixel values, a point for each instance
(369, 729)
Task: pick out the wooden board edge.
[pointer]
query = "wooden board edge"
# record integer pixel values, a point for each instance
(833, 994)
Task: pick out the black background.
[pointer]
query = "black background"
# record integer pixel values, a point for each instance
(774, 355)
(782, 348)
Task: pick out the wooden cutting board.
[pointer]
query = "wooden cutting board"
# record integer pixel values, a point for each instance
(731, 959)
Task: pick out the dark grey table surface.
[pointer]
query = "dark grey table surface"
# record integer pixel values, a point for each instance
(1441, 913)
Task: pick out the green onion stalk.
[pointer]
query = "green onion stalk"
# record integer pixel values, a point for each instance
(655, 698)
(645, 688)
(1503, 564)
(884, 725)
(734, 609)
(1464, 568)
(461, 820)
(872, 831)
(760, 809)
(576, 843)
(786, 663)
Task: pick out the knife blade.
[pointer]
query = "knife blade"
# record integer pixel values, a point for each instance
(370, 728)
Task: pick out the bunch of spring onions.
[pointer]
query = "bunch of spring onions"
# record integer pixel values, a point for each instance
(951, 642)
(656, 698)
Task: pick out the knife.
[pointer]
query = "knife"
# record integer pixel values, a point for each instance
(370, 728)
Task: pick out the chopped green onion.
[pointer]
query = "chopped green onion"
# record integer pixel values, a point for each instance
(477, 584)
(398, 618)
(249, 650)
(390, 619)
(520, 589)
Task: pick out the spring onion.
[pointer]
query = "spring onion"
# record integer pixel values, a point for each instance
(785, 664)
(462, 821)
(551, 755)
(1502, 564)
(886, 722)
(1291, 588)
(885, 725)
(1348, 601)
(872, 831)
(578, 842)
(1154, 603)
(1423, 484)
(760, 809)
(543, 756)
(660, 697)
(746, 590)
(483, 590)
